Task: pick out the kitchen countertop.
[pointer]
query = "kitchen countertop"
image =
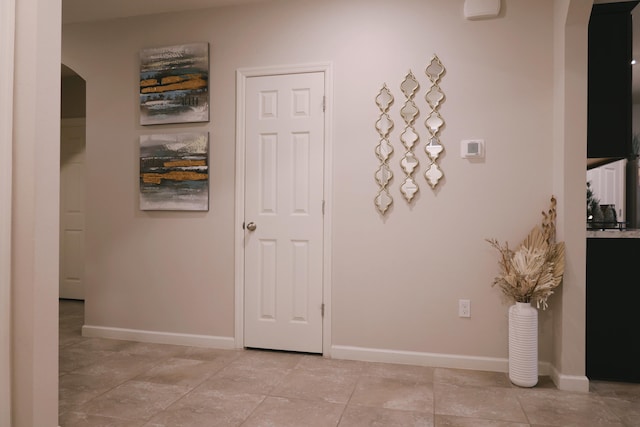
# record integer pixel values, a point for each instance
(615, 234)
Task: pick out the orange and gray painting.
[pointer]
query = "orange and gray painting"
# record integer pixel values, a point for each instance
(174, 83)
(174, 172)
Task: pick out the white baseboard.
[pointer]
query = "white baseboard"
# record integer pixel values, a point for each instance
(578, 383)
(225, 343)
(436, 360)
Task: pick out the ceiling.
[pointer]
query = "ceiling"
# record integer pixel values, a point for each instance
(74, 11)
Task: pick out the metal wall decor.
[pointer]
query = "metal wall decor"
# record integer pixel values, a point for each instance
(384, 149)
(434, 122)
(409, 137)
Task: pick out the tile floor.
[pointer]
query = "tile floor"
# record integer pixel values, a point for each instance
(128, 384)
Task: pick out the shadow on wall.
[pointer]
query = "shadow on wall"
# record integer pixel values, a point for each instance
(73, 99)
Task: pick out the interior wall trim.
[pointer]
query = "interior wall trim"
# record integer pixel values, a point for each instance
(435, 360)
(138, 335)
(577, 383)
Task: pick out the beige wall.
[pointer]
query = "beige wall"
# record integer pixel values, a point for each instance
(396, 280)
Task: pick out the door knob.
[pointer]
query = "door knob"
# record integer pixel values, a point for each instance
(251, 226)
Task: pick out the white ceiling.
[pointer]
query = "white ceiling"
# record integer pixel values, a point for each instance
(96, 10)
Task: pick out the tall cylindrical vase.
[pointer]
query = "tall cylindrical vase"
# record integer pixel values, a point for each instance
(523, 344)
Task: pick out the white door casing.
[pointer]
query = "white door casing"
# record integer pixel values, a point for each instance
(72, 208)
(282, 266)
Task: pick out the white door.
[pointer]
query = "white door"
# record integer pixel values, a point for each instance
(284, 202)
(72, 177)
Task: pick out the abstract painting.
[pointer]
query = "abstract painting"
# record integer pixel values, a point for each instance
(174, 172)
(174, 83)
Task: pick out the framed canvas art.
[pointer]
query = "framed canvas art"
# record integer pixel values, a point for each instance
(174, 84)
(174, 172)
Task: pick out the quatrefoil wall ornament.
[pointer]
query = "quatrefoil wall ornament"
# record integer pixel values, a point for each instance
(409, 137)
(434, 122)
(384, 150)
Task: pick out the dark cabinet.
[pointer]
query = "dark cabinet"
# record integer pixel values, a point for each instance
(612, 315)
(609, 80)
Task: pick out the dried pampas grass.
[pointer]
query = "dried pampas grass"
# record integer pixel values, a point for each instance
(536, 267)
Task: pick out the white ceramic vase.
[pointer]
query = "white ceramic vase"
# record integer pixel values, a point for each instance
(523, 344)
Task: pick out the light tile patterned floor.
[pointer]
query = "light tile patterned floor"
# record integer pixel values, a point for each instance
(127, 384)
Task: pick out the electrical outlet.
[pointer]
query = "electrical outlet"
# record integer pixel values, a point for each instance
(464, 308)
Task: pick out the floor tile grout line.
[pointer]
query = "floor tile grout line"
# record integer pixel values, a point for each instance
(264, 397)
(524, 412)
(355, 387)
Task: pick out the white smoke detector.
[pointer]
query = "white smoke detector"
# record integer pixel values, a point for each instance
(481, 9)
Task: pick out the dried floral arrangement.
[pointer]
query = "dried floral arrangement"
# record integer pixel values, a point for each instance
(532, 271)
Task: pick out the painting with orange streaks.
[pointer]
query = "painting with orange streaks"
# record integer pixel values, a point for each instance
(174, 84)
(174, 171)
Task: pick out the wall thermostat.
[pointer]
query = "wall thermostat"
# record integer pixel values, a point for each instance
(472, 149)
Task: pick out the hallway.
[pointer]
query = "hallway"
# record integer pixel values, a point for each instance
(128, 384)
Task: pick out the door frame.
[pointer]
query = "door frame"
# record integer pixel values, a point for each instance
(242, 74)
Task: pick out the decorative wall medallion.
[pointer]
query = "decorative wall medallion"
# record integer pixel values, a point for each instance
(409, 137)
(384, 150)
(434, 122)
